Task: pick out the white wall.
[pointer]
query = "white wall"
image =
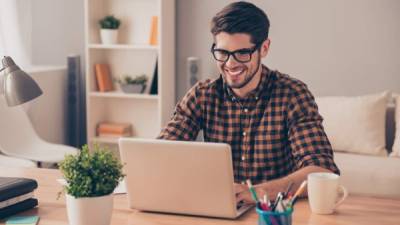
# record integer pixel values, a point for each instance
(342, 47)
(57, 31)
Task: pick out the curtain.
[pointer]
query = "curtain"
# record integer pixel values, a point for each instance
(15, 31)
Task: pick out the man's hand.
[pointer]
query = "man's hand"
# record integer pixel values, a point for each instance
(243, 193)
(271, 188)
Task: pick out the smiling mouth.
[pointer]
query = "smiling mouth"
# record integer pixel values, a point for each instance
(234, 74)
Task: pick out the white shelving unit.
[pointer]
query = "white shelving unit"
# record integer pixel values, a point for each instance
(134, 56)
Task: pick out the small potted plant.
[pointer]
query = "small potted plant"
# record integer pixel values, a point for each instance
(109, 29)
(91, 178)
(131, 84)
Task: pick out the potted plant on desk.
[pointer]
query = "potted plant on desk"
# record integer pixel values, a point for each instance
(91, 178)
(109, 29)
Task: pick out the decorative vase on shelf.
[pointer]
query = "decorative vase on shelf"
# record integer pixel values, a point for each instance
(131, 84)
(109, 36)
(133, 88)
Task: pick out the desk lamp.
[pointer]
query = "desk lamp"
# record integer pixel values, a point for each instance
(18, 87)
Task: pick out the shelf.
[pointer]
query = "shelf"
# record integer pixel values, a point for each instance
(108, 140)
(105, 140)
(123, 46)
(116, 94)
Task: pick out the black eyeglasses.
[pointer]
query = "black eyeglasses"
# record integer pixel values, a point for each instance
(241, 55)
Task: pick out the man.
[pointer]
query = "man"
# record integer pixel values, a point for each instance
(270, 120)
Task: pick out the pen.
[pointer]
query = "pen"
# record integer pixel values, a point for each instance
(285, 194)
(277, 200)
(262, 205)
(298, 193)
(252, 191)
(266, 200)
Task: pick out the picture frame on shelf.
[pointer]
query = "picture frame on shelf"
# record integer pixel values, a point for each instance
(152, 87)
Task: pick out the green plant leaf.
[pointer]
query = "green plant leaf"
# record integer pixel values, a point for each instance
(91, 173)
(127, 79)
(109, 22)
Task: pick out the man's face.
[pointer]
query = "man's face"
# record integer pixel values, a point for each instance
(235, 73)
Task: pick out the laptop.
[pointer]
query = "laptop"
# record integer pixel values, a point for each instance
(193, 178)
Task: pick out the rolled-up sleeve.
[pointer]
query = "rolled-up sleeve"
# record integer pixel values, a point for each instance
(309, 144)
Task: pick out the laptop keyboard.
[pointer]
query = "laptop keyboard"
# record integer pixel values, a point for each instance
(239, 205)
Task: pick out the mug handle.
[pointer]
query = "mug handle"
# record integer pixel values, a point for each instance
(345, 194)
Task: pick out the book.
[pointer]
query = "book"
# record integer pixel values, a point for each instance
(107, 129)
(103, 77)
(15, 200)
(114, 127)
(109, 135)
(19, 207)
(153, 39)
(11, 187)
(22, 220)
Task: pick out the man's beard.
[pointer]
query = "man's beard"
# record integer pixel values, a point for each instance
(247, 78)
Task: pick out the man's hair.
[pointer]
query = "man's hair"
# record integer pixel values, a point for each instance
(242, 17)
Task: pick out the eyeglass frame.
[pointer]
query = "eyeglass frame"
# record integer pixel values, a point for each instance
(229, 53)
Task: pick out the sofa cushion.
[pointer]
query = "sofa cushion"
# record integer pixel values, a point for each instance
(369, 175)
(355, 124)
(396, 144)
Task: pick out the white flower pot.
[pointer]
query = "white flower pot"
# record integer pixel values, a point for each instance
(109, 36)
(86, 211)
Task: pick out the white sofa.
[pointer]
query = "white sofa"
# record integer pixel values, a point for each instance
(374, 175)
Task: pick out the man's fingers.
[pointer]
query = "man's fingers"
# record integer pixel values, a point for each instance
(245, 197)
(239, 188)
(239, 198)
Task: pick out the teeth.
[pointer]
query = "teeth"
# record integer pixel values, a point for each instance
(235, 73)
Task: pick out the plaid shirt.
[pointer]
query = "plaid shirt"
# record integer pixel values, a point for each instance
(272, 132)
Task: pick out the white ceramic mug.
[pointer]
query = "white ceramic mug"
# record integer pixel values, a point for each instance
(323, 192)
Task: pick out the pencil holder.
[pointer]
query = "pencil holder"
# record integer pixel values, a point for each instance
(274, 218)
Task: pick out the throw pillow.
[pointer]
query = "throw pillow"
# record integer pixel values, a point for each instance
(355, 124)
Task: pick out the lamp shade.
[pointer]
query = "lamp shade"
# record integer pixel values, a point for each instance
(19, 87)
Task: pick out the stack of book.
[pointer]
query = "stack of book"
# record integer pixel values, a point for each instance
(107, 129)
(16, 195)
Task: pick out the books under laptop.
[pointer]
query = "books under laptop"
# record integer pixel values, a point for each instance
(16, 195)
(180, 177)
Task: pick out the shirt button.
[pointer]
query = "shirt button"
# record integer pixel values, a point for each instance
(256, 98)
(246, 110)
(244, 133)
(243, 158)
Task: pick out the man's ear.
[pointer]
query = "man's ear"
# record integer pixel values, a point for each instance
(265, 47)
